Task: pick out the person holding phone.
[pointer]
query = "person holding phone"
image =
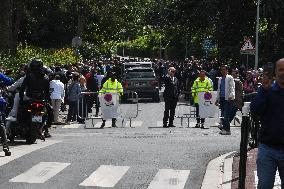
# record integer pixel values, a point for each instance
(269, 106)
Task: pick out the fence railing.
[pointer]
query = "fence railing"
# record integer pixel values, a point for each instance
(89, 102)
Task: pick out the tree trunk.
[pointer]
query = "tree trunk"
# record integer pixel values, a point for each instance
(5, 25)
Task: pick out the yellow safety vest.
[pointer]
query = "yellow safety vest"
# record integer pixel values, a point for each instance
(200, 86)
(112, 87)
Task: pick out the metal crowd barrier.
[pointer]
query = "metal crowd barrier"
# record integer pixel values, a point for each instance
(185, 111)
(128, 110)
(185, 108)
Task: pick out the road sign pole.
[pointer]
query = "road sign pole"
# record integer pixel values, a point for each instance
(256, 36)
(247, 61)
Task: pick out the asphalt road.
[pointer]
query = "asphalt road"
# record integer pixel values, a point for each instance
(146, 156)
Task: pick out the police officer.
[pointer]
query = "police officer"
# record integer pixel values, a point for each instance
(201, 84)
(171, 94)
(111, 86)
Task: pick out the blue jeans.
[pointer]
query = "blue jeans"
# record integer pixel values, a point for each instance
(226, 110)
(233, 112)
(72, 111)
(268, 160)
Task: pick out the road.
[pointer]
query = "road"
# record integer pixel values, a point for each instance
(146, 156)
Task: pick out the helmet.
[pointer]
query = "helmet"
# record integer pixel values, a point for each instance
(36, 65)
(47, 70)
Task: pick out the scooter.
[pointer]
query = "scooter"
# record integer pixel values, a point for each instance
(31, 119)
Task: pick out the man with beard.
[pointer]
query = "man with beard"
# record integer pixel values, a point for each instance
(269, 106)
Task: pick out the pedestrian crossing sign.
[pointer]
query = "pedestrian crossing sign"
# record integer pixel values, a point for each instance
(247, 48)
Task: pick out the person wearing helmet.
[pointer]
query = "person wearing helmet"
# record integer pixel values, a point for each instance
(35, 85)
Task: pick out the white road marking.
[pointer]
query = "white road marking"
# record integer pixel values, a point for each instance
(134, 123)
(41, 172)
(73, 126)
(20, 151)
(277, 182)
(159, 123)
(105, 176)
(169, 179)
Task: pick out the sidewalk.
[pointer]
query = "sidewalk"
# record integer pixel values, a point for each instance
(223, 172)
(250, 173)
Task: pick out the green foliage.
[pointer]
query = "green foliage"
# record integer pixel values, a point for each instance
(139, 26)
(24, 54)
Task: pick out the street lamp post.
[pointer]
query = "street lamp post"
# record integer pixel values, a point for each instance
(160, 47)
(256, 36)
(123, 31)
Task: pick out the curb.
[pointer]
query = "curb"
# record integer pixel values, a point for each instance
(219, 172)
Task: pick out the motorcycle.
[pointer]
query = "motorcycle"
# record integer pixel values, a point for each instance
(3, 105)
(31, 118)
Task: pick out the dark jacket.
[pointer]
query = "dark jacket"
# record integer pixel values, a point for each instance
(5, 79)
(269, 106)
(92, 83)
(172, 88)
(36, 86)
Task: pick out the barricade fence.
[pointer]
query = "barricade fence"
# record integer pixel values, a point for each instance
(109, 105)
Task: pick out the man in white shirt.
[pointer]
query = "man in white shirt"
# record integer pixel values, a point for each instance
(225, 99)
(100, 77)
(57, 94)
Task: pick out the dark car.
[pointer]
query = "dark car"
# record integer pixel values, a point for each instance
(143, 81)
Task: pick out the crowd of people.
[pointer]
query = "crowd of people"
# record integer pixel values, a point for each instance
(62, 85)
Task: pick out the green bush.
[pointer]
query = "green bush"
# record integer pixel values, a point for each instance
(25, 53)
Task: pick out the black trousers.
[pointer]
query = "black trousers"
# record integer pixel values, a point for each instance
(3, 133)
(169, 113)
(202, 120)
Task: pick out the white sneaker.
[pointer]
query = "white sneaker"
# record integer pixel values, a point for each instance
(224, 132)
(11, 118)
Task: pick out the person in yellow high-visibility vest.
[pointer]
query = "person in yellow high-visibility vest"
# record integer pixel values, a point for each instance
(201, 84)
(111, 86)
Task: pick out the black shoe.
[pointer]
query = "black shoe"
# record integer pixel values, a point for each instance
(165, 126)
(6, 150)
(202, 126)
(197, 125)
(41, 137)
(171, 125)
(103, 125)
(115, 126)
(80, 120)
(47, 135)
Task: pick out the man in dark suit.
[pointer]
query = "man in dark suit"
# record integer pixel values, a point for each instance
(171, 95)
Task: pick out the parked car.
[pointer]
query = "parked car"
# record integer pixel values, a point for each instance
(141, 80)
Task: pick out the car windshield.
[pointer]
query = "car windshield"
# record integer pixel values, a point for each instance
(143, 73)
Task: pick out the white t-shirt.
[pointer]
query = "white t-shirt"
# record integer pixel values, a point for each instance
(100, 78)
(57, 89)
